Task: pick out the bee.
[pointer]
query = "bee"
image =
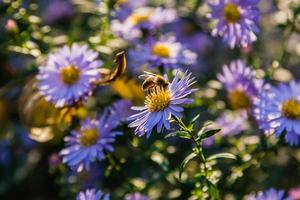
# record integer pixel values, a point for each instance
(153, 81)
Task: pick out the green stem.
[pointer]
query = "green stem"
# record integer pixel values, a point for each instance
(199, 150)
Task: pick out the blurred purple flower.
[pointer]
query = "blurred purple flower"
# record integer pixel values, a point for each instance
(277, 110)
(236, 21)
(136, 196)
(161, 104)
(120, 111)
(5, 155)
(89, 143)
(270, 194)
(128, 6)
(69, 75)
(141, 19)
(92, 194)
(232, 122)
(165, 52)
(58, 11)
(188, 34)
(294, 193)
(240, 83)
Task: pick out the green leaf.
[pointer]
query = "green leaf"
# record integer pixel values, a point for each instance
(181, 134)
(213, 190)
(221, 155)
(194, 119)
(207, 134)
(185, 162)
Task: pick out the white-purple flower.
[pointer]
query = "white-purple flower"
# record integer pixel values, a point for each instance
(277, 110)
(89, 144)
(68, 75)
(165, 52)
(143, 19)
(92, 194)
(161, 103)
(237, 21)
(240, 84)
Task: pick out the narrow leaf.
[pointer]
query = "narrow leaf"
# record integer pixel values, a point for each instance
(185, 162)
(221, 155)
(195, 118)
(181, 134)
(208, 134)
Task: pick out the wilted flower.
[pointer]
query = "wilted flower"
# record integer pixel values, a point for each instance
(277, 109)
(161, 104)
(240, 83)
(236, 21)
(89, 143)
(136, 196)
(143, 19)
(270, 194)
(92, 194)
(69, 75)
(165, 52)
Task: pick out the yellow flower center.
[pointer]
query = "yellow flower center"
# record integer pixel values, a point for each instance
(161, 49)
(89, 137)
(121, 1)
(239, 99)
(158, 99)
(291, 109)
(138, 18)
(70, 74)
(232, 13)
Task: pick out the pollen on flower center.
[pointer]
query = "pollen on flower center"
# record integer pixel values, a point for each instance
(232, 13)
(89, 137)
(161, 50)
(291, 109)
(70, 74)
(158, 99)
(239, 99)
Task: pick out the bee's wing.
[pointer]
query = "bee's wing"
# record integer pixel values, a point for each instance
(146, 75)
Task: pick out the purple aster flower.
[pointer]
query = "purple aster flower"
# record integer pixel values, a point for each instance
(236, 21)
(240, 83)
(89, 143)
(69, 75)
(120, 111)
(161, 103)
(92, 194)
(141, 19)
(136, 196)
(277, 110)
(270, 194)
(165, 52)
